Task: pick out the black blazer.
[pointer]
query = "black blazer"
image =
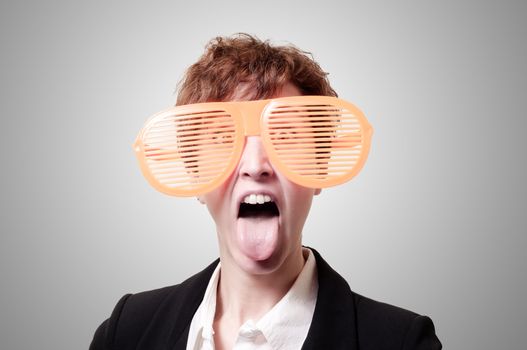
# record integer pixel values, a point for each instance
(160, 319)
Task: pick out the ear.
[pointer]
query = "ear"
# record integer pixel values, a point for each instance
(317, 191)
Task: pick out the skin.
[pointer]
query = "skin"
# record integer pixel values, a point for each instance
(250, 286)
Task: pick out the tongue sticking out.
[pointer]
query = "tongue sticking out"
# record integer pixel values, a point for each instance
(258, 236)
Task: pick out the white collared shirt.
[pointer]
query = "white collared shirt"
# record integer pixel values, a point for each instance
(284, 327)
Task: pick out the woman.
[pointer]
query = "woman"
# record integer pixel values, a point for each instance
(266, 291)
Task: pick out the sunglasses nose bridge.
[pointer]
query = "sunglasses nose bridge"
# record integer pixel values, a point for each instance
(251, 111)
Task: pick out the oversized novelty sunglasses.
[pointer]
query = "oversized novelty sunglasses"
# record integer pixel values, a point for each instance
(315, 141)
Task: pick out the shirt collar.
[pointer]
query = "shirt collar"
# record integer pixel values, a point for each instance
(208, 306)
(286, 325)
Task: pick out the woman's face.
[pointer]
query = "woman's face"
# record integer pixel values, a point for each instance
(259, 213)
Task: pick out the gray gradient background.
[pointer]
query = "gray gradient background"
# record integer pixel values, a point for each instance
(436, 222)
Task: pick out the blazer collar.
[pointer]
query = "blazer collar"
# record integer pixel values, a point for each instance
(334, 320)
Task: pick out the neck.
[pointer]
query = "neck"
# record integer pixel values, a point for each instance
(243, 295)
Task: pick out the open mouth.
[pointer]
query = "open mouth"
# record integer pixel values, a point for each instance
(258, 206)
(258, 226)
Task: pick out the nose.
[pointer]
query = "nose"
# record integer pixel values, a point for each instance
(254, 163)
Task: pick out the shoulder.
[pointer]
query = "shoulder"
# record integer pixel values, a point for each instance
(154, 314)
(362, 322)
(384, 326)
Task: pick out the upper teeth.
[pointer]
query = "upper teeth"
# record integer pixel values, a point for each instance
(257, 199)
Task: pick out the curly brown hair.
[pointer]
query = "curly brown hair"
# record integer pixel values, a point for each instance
(232, 62)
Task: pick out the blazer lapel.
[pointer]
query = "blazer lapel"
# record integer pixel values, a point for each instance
(172, 320)
(189, 303)
(334, 321)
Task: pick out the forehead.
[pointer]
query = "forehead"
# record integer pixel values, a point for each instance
(245, 91)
